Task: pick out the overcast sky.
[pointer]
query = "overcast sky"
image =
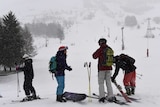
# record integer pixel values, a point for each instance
(24, 8)
(19, 5)
(6, 5)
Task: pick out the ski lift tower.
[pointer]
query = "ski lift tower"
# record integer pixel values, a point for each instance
(148, 35)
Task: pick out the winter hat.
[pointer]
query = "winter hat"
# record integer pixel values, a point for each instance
(25, 56)
(102, 41)
(61, 48)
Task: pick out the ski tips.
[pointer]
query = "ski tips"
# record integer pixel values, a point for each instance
(85, 64)
(88, 64)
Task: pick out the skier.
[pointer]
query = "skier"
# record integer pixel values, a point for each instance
(59, 73)
(0, 96)
(126, 63)
(104, 72)
(28, 77)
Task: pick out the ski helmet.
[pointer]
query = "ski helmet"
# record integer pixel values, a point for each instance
(102, 41)
(61, 48)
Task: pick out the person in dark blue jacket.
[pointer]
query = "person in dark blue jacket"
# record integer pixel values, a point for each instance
(60, 74)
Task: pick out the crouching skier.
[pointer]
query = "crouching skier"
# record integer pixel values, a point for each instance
(60, 74)
(28, 77)
(126, 63)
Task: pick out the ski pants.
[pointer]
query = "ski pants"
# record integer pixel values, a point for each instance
(105, 77)
(61, 85)
(28, 87)
(129, 80)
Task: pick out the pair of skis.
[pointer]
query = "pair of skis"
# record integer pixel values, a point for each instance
(130, 97)
(88, 65)
(122, 94)
(121, 91)
(114, 101)
(27, 99)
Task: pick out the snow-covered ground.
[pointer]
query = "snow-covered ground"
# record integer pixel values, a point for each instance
(82, 42)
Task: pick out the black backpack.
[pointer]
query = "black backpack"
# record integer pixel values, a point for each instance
(127, 62)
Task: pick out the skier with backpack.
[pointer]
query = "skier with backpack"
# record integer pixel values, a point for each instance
(28, 78)
(105, 60)
(126, 63)
(58, 67)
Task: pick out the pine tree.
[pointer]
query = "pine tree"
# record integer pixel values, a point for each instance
(12, 41)
(28, 42)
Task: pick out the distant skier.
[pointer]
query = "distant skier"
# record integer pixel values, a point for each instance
(0, 96)
(126, 63)
(59, 73)
(104, 71)
(28, 77)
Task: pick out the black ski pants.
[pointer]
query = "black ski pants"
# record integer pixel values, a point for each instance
(28, 88)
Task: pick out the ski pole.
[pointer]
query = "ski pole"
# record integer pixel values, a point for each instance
(89, 77)
(139, 74)
(18, 85)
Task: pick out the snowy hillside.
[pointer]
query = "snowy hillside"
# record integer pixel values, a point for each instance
(28, 11)
(82, 40)
(83, 43)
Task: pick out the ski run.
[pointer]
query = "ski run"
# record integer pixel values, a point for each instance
(82, 40)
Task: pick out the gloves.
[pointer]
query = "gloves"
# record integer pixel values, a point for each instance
(112, 79)
(17, 68)
(51, 71)
(69, 68)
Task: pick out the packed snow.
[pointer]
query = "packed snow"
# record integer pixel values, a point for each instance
(82, 44)
(82, 41)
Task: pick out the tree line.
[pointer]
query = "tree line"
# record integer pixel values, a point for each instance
(51, 30)
(15, 41)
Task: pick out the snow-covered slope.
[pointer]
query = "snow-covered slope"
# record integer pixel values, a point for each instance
(82, 42)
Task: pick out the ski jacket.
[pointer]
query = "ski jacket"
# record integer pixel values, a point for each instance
(28, 69)
(61, 63)
(124, 65)
(99, 54)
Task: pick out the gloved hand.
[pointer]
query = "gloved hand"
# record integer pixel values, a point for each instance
(69, 68)
(17, 68)
(112, 79)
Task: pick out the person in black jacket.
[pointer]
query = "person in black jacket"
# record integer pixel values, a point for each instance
(60, 71)
(28, 77)
(126, 63)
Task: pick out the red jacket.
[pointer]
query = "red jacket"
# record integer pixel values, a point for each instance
(99, 54)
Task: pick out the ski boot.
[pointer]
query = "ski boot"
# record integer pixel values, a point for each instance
(133, 90)
(60, 98)
(112, 99)
(128, 91)
(34, 96)
(27, 98)
(102, 100)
